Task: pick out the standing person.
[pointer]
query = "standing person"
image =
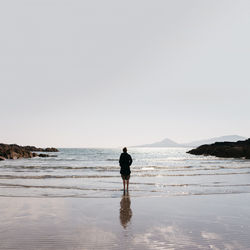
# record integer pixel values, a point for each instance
(125, 162)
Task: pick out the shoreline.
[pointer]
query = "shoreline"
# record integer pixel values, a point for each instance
(176, 222)
(116, 196)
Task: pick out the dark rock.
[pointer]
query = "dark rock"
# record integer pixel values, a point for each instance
(32, 148)
(14, 151)
(44, 155)
(239, 149)
(35, 149)
(51, 150)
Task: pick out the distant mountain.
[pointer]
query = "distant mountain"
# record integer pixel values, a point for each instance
(170, 143)
(164, 143)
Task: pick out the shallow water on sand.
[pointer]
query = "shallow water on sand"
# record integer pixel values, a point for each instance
(183, 222)
(95, 173)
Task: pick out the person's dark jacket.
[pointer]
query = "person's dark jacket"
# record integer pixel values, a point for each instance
(125, 162)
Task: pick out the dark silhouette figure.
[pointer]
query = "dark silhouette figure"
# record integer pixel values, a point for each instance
(125, 210)
(125, 162)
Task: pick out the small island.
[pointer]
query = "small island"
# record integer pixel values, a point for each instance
(239, 149)
(14, 151)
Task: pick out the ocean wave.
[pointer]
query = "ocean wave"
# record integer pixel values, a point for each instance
(46, 176)
(134, 169)
(52, 176)
(196, 174)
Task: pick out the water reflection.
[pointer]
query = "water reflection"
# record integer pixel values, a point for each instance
(125, 210)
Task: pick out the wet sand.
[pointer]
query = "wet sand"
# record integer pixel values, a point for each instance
(183, 222)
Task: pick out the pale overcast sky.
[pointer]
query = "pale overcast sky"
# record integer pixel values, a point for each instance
(113, 73)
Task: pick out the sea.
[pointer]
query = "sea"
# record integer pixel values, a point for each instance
(94, 172)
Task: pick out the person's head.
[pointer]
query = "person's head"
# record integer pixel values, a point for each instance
(124, 150)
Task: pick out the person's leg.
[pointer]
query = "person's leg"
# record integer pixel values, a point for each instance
(127, 184)
(123, 184)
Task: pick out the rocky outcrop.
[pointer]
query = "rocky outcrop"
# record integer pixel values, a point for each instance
(239, 149)
(14, 151)
(35, 149)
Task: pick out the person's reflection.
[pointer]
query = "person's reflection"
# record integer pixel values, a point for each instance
(125, 210)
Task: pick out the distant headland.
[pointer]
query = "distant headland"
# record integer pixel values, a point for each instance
(14, 151)
(239, 149)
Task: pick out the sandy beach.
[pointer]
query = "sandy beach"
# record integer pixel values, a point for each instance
(127, 222)
(99, 97)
